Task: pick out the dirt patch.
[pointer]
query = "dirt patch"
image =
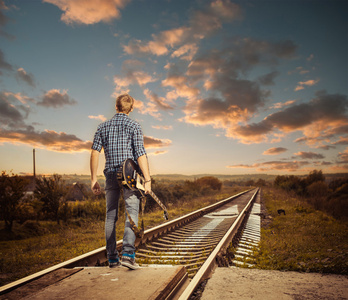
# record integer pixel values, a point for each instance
(238, 283)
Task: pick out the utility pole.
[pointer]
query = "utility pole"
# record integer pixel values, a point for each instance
(34, 163)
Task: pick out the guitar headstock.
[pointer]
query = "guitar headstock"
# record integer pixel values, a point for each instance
(165, 215)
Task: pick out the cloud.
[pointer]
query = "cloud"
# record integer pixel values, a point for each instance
(48, 139)
(158, 152)
(268, 79)
(54, 98)
(275, 151)
(12, 113)
(302, 84)
(279, 105)
(151, 142)
(186, 52)
(181, 87)
(163, 127)
(99, 117)
(160, 102)
(89, 12)
(321, 117)
(202, 23)
(131, 73)
(153, 106)
(4, 20)
(342, 141)
(309, 155)
(299, 70)
(288, 166)
(23, 75)
(222, 73)
(4, 64)
(343, 156)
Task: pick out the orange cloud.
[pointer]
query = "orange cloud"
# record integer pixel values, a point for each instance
(153, 106)
(55, 98)
(319, 120)
(26, 77)
(202, 23)
(186, 52)
(182, 89)
(163, 127)
(280, 105)
(289, 166)
(48, 139)
(274, 151)
(309, 155)
(158, 153)
(99, 117)
(89, 12)
(151, 142)
(131, 73)
(301, 85)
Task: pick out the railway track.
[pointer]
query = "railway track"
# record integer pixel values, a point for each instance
(199, 241)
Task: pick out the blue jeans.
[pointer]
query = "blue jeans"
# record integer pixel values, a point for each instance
(113, 192)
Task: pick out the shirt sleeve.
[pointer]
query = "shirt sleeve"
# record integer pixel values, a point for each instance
(97, 141)
(138, 142)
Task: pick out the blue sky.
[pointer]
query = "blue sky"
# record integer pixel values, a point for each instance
(221, 87)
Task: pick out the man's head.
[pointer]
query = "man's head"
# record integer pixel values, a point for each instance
(124, 104)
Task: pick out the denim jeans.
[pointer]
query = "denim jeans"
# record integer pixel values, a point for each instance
(113, 192)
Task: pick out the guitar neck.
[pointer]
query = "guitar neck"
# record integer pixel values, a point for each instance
(152, 194)
(157, 200)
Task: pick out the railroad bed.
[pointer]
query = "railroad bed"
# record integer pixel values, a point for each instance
(175, 258)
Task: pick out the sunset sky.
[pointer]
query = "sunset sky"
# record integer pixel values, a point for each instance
(221, 87)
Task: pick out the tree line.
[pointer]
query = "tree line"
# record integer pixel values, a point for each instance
(49, 200)
(331, 197)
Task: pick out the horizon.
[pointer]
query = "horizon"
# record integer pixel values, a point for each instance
(221, 87)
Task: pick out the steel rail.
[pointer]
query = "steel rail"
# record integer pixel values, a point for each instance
(211, 262)
(98, 256)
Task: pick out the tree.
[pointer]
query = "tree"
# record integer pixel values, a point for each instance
(314, 176)
(12, 189)
(210, 181)
(51, 191)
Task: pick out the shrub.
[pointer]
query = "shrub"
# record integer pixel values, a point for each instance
(11, 192)
(209, 181)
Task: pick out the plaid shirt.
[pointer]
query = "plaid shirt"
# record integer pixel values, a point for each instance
(121, 138)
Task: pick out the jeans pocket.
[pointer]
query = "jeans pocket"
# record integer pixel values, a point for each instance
(111, 181)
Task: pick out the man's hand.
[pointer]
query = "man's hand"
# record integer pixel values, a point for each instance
(147, 187)
(95, 187)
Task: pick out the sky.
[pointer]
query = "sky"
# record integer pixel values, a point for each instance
(220, 87)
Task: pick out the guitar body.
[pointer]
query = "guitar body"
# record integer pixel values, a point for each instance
(133, 178)
(131, 175)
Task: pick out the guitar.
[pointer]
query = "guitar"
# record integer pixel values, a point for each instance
(133, 178)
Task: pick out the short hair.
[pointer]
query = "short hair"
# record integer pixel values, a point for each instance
(124, 103)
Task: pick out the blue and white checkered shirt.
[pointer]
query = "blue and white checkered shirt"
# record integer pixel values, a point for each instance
(122, 138)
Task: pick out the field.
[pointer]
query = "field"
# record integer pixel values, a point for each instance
(305, 239)
(45, 243)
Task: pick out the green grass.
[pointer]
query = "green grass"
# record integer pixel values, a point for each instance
(302, 240)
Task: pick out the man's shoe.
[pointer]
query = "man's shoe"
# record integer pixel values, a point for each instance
(114, 263)
(129, 262)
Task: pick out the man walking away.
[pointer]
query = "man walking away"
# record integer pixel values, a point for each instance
(121, 138)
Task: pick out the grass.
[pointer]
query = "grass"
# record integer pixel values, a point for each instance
(304, 239)
(44, 244)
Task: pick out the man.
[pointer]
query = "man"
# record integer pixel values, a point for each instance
(121, 138)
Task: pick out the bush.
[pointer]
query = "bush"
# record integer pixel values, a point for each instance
(332, 199)
(210, 182)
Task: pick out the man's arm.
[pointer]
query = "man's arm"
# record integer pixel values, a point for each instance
(144, 166)
(94, 168)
